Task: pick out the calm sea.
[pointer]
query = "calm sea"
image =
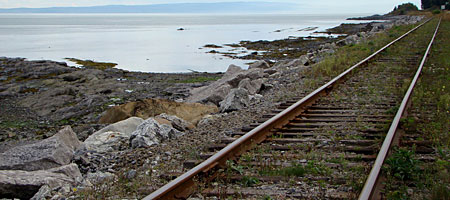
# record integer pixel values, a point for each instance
(147, 42)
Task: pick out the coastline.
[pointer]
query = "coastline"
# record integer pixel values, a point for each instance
(26, 84)
(19, 81)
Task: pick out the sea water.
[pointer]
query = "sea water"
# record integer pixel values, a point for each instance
(148, 42)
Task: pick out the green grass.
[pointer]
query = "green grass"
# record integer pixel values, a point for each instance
(297, 170)
(14, 124)
(428, 117)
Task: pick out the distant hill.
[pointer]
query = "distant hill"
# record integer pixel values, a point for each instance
(225, 7)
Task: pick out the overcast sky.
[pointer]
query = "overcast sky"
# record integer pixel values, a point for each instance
(333, 6)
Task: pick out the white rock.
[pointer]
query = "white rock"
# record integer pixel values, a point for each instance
(105, 141)
(150, 132)
(126, 126)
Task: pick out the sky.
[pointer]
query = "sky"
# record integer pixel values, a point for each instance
(334, 6)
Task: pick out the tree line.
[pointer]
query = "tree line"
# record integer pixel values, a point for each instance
(434, 3)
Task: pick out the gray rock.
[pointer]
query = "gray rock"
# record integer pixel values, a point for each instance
(43, 193)
(99, 177)
(177, 123)
(25, 184)
(53, 152)
(71, 78)
(205, 120)
(236, 100)
(56, 197)
(256, 74)
(113, 136)
(105, 141)
(64, 190)
(255, 97)
(326, 51)
(70, 170)
(252, 87)
(150, 132)
(304, 60)
(131, 174)
(234, 82)
(352, 39)
(259, 64)
(270, 71)
(218, 94)
(233, 69)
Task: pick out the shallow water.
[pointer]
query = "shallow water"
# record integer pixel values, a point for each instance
(147, 42)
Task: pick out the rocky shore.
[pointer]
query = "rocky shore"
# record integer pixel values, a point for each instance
(82, 133)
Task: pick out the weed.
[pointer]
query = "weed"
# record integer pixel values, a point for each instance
(231, 166)
(402, 165)
(249, 181)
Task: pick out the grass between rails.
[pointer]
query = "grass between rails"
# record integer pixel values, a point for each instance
(429, 117)
(351, 54)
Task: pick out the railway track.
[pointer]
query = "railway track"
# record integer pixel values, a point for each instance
(317, 146)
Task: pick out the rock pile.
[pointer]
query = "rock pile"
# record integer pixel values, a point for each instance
(232, 91)
(24, 170)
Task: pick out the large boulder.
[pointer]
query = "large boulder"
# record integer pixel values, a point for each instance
(112, 137)
(52, 152)
(191, 112)
(252, 86)
(24, 184)
(218, 95)
(236, 100)
(150, 132)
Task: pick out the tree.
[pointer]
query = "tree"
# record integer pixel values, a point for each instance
(433, 3)
(426, 4)
(404, 8)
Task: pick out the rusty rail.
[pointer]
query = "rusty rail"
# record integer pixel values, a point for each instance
(183, 186)
(371, 185)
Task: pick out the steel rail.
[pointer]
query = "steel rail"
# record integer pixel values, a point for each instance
(370, 186)
(182, 186)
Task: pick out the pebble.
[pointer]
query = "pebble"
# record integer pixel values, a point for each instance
(131, 174)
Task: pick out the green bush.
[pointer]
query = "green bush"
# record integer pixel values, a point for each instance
(436, 12)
